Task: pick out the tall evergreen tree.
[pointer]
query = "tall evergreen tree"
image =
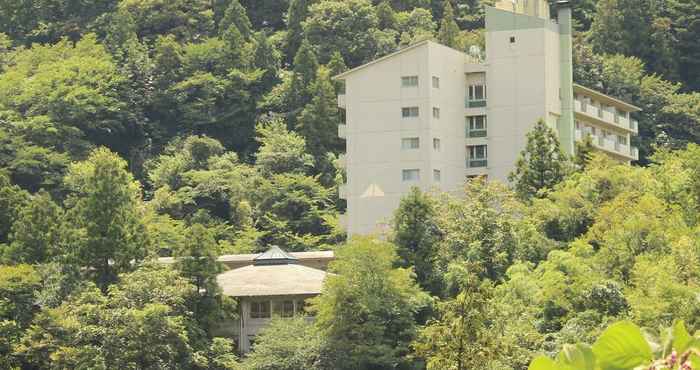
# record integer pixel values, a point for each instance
(236, 15)
(303, 75)
(319, 120)
(416, 235)
(541, 165)
(448, 34)
(106, 205)
(36, 233)
(267, 58)
(298, 10)
(337, 66)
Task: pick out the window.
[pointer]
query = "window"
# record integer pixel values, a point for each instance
(436, 144)
(301, 307)
(476, 126)
(260, 310)
(512, 39)
(409, 112)
(477, 156)
(411, 175)
(436, 175)
(410, 143)
(284, 308)
(622, 139)
(409, 81)
(436, 82)
(436, 112)
(477, 92)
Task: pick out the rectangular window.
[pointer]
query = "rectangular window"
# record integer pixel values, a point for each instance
(622, 139)
(410, 174)
(436, 112)
(477, 156)
(410, 143)
(476, 126)
(436, 175)
(260, 310)
(409, 81)
(283, 308)
(436, 144)
(436, 82)
(477, 92)
(407, 112)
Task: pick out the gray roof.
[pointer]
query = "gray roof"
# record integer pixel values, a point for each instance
(250, 257)
(271, 280)
(274, 256)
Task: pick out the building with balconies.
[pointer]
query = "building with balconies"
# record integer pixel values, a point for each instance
(431, 116)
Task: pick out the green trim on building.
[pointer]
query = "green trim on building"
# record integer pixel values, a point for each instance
(566, 121)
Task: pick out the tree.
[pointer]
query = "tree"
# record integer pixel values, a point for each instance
(386, 15)
(106, 204)
(267, 58)
(197, 262)
(303, 76)
(236, 16)
(296, 14)
(286, 344)
(366, 310)
(458, 338)
(18, 285)
(584, 151)
(416, 235)
(485, 229)
(541, 165)
(12, 198)
(36, 233)
(448, 34)
(142, 322)
(280, 151)
(319, 120)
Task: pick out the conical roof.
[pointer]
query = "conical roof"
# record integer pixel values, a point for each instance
(274, 256)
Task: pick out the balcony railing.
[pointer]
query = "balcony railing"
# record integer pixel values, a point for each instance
(476, 163)
(475, 103)
(342, 131)
(476, 133)
(341, 100)
(611, 118)
(343, 191)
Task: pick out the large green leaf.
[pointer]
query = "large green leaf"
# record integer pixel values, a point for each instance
(681, 337)
(577, 356)
(543, 363)
(622, 347)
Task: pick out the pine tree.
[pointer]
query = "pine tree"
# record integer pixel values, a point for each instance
(236, 15)
(541, 165)
(298, 10)
(106, 206)
(337, 66)
(584, 150)
(36, 233)
(303, 75)
(448, 34)
(266, 58)
(416, 235)
(318, 122)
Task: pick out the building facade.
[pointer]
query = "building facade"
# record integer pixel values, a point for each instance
(431, 116)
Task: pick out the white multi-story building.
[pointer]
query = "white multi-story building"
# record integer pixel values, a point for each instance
(431, 116)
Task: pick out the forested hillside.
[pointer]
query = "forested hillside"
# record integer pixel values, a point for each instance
(131, 129)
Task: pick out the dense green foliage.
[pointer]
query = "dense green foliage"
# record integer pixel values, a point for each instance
(131, 129)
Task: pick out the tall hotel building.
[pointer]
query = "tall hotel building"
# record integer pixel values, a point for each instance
(431, 116)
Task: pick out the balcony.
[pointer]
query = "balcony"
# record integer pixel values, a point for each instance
(341, 101)
(343, 191)
(343, 161)
(475, 103)
(592, 113)
(342, 131)
(634, 125)
(477, 163)
(476, 133)
(610, 146)
(343, 221)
